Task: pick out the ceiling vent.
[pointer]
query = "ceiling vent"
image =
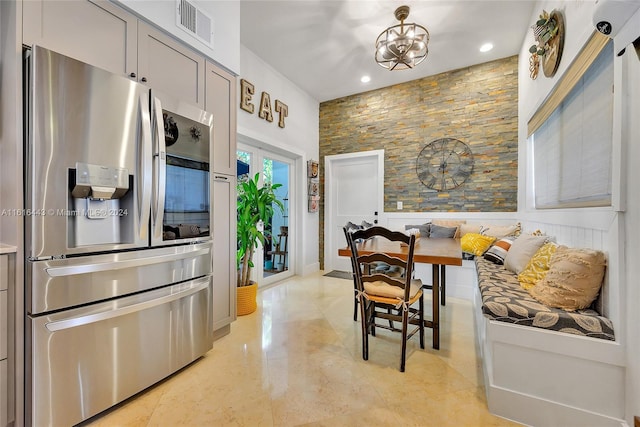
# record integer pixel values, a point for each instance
(194, 21)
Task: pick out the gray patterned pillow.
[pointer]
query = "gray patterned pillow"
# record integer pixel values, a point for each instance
(424, 229)
(442, 232)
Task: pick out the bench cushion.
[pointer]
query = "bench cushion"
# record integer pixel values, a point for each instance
(504, 300)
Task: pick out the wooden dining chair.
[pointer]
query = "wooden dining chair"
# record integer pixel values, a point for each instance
(348, 228)
(383, 295)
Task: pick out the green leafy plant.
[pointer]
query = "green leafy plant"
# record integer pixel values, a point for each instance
(255, 205)
(544, 30)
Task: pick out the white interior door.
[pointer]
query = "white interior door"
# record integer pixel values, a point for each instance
(354, 188)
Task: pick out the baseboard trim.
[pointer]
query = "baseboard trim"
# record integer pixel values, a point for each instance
(219, 333)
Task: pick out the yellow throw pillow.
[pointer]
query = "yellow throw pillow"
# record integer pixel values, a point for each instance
(573, 280)
(537, 266)
(475, 243)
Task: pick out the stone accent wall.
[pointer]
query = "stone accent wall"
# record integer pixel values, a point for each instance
(477, 105)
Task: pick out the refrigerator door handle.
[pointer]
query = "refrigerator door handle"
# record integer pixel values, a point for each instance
(72, 270)
(159, 171)
(144, 165)
(60, 325)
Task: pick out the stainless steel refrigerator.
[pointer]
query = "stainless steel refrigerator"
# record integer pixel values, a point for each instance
(117, 238)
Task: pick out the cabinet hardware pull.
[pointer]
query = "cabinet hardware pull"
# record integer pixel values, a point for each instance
(144, 79)
(132, 75)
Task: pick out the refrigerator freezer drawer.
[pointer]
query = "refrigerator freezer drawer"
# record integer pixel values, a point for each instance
(119, 348)
(59, 284)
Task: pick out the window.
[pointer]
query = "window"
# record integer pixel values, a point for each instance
(572, 146)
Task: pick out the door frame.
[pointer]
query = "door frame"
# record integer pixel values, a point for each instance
(329, 227)
(291, 213)
(260, 150)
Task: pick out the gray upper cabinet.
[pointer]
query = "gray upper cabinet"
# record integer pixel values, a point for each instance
(221, 101)
(96, 32)
(102, 34)
(169, 66)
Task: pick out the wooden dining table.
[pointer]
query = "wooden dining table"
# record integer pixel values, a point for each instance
(437, 252)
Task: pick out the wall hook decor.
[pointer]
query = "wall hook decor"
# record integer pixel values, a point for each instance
(548, 32)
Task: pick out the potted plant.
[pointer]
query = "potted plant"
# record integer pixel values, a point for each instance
(255, 208)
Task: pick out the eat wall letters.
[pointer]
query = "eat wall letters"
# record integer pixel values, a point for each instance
(247, 90)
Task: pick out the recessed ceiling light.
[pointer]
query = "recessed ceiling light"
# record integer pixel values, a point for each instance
(365, 79)
(486, 47)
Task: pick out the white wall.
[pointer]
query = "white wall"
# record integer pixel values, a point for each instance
(299, 139)
(631, 132)
(226, 26)
(607, 228)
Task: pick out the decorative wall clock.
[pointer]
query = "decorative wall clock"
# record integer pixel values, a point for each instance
(444, 164)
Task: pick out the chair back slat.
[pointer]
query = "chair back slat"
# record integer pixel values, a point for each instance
(360, 262)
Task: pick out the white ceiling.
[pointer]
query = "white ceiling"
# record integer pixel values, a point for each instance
(326, 46)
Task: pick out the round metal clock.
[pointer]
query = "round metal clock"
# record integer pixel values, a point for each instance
(444, 164)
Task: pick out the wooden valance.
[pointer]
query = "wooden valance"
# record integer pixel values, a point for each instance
(567, 82)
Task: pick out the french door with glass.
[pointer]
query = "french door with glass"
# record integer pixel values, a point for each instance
(274, 260)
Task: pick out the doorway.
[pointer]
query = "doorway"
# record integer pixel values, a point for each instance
(274, 260)
(354, 191)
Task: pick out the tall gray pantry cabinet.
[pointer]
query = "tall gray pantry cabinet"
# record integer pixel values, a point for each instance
(220, 99)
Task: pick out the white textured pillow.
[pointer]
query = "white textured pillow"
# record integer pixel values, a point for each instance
(499, 231)
(522, 250)
(470, 228)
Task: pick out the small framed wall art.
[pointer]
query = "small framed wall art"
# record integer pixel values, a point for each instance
(314, 202)
(313, 185)
(312, 169)
(314, 188)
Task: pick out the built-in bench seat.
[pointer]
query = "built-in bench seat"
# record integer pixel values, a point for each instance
(543, 366)
(503, 299)
(539, 374)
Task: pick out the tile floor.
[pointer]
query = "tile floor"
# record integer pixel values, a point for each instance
(297, 361)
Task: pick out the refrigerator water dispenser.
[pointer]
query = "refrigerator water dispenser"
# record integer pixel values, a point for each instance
(98, 213)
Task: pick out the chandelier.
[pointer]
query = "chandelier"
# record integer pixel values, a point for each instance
(403, 45)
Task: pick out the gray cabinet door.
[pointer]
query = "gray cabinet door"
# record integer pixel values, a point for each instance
(96, 32)
(6, 393)
(224, 249)
(169, 66)
(221, 101)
